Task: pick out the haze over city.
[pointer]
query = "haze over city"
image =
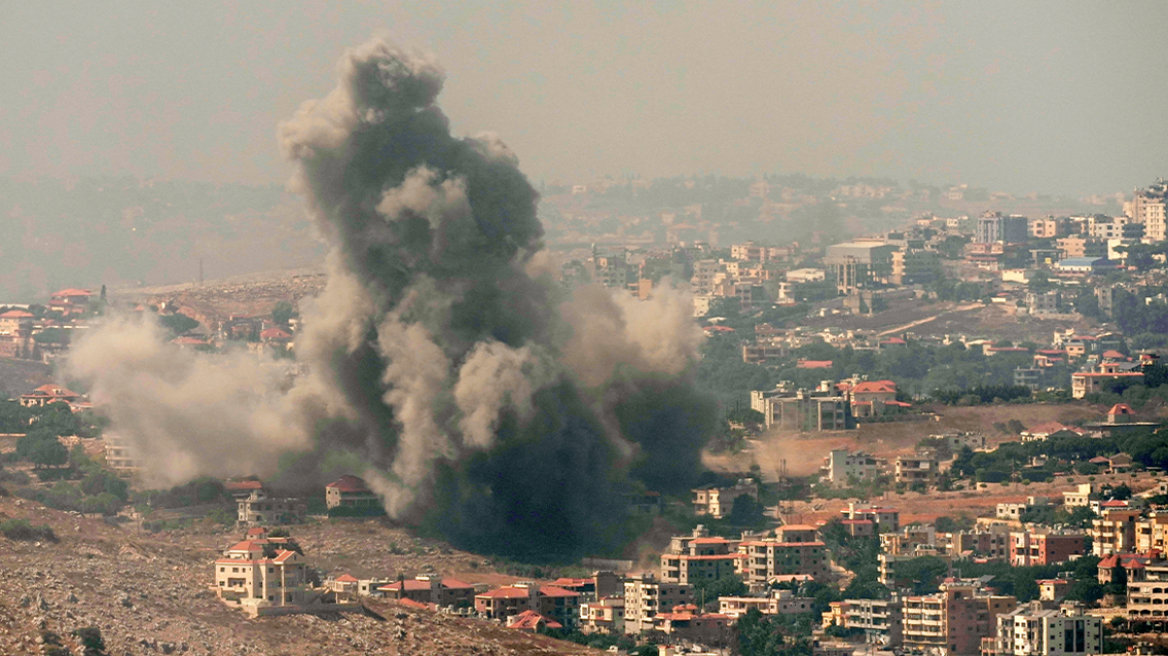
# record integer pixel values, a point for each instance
(736, 329)
(1048, 97)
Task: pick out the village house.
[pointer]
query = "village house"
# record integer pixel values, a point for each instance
(350, 492)
(440, 591)
(605, 615)
(558, 604)
(46, 394)
(777, 602)
(686, 622)
(258, 508)
(265, 576)
(119, 455)
(719, 501)
(530, 621)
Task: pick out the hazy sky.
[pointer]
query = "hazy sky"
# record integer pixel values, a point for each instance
(1064, 97)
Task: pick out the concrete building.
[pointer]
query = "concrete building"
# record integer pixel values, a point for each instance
(993, 228)
(887, 520)
(882, 620)
(844, 467)
(258, 509)
(1147, 206)
(686, 622)
(646, 596)
(808, 411)
(606, 615)
(717, 502)
(1093, 382)
(1147, 599)
(1077, 246)
(1114, 532)
(261, 574)
(762, 560)
(441, 591)
(1042, 304)
(697, 558)
(120, 456)
(350, 492)
(549, 601)
(776, 602)
(1035, 631)
(914, 266)
(916, 469)
(1080, 497)
(953, 622)
(856, 265)
(1039, 547)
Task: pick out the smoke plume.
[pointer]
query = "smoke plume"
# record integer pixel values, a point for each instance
(484, 401)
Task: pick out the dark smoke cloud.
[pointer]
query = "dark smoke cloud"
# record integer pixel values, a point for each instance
(482, 402)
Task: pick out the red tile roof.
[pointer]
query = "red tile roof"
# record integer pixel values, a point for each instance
(346, 578)
(274, 333)
(16, 314)
(875, 387)
(814, 364)
(414, 585)
(349, 483)
(74, 292)
(530, 620)
(243, 485)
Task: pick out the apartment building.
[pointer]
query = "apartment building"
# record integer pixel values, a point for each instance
(646, 596)
(258, 508)
(1147, 206)
(844, 466)
(776, 602)
(1049, 228)
(953, 621)
(1044, 547)
(1080, 497)
(1035, 631)
(762, 560)
(913, 266)
(855, 265)
(1152, 533)
(886, 519)
(1114, 532)
(916, 469)
(993, 228)
(431, 589)
(881, 619)
(1147, 600)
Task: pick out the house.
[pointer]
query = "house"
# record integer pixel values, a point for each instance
(532, 622)
(1093, 382)
(240, 490)
(761, 560)
(886, 519)
(46, 394)
(120, 455)
(605, 615)
(555, 603)
(1047, 430)
(70, 301)
(16, 322)
(691, 558)
(350, 492)
(844, 467)
(275, 336)
(1080, 497)
(916, 469)
(442, 592)
(258, 508)
(776, 602)
(686, 622)
(259, 575)
(719, 501)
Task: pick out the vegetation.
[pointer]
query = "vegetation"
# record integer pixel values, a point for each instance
(20, 529)
(924, 574)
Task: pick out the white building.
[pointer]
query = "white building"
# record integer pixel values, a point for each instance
(1032, 631)
(844, 466)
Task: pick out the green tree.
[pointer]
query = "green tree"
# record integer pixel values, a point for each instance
(178, 323)
(49, 453)
(282, 313)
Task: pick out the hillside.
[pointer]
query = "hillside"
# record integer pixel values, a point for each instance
(152, 594)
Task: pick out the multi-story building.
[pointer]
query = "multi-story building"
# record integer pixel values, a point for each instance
(646, 596)
(120, 456)
(1077, 246)
(807, 411)
(912, 266)
(1035, 631)
(762, 560)
(1080, 497)
(1044, 303)
(258, 509)
(717, 502)
(993, 228)
(1152, 533)
(1147, 599)
(845, 467)
(350, 492)
(881, 619)
(1147, 206)
(699, 557)
(885, 519)
(561, 605)
(856, 265)
(777, 602)
(263, 573)
(1114, 532)
(1049, 227)
(606, 615)
(953, 621)
(431, 589)
(1044, 547)
(687, 622)
(916, 469)
(1093, 382)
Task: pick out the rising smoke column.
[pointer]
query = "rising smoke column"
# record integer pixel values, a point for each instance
(479, 399)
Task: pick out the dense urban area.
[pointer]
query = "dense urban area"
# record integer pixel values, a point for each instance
(940, 432)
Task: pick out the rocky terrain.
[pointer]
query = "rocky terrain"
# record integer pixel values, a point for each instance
(151, 594)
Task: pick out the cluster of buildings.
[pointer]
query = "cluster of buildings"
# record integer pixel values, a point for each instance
(828, 407)
(42, 332)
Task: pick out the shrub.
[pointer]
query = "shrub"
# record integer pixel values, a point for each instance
(20, 529)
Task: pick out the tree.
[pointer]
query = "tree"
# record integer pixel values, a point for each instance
(282, 313)
(49, 453)
(178, 323)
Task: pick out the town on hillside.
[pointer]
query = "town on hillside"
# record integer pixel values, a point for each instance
(941, 438)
